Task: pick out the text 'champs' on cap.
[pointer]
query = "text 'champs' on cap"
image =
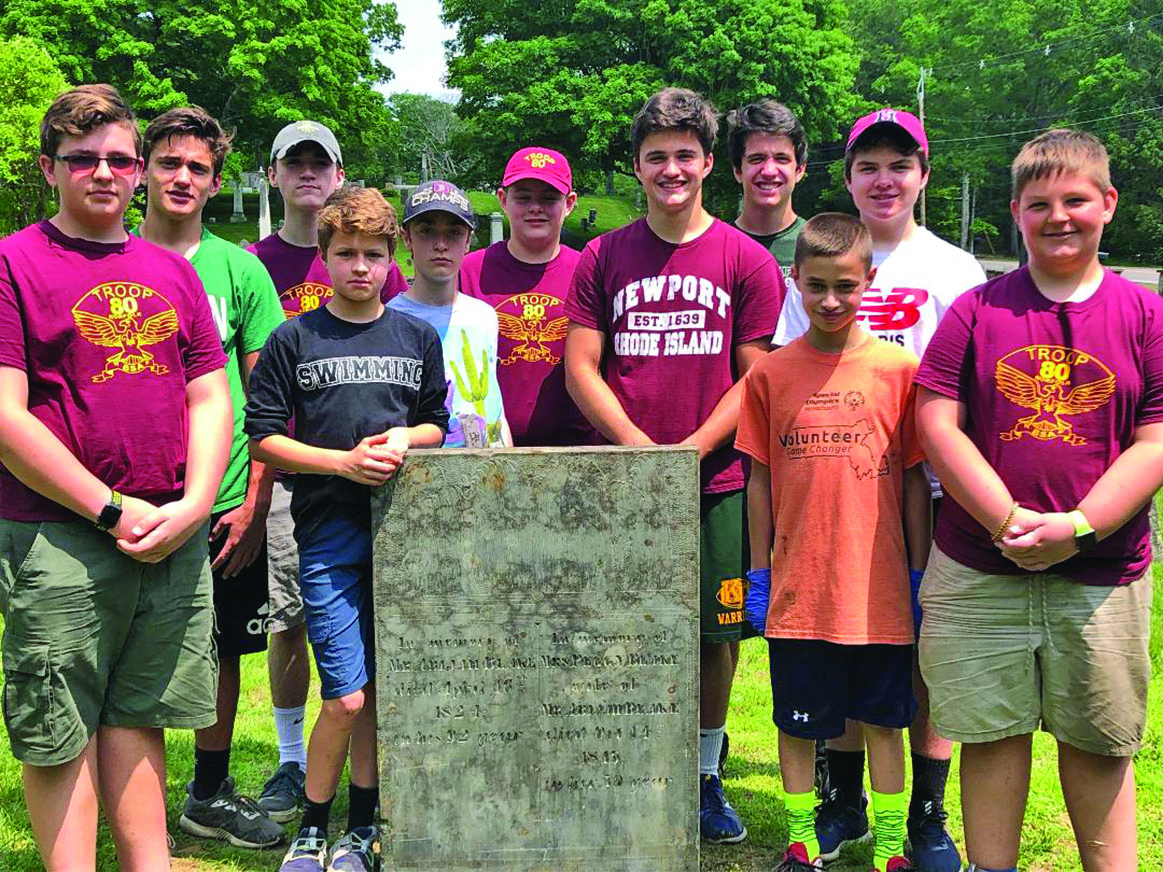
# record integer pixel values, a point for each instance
(439, 196)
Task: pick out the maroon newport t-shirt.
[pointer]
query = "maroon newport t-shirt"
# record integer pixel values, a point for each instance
(1053, 395)
(301, 278)
(109, 334)
(529, 299)
(672, 315)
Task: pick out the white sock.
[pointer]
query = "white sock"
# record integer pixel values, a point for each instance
(289, 726)
(710, 744)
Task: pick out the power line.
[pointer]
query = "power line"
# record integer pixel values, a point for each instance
(1012, 133)
(989, 141)
(1050, 47)
(1021, 119)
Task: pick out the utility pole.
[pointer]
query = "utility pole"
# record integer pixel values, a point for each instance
(965, 212)
(972, 216)
(921, 115)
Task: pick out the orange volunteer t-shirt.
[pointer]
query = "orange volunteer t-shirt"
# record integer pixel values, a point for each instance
(838, 432)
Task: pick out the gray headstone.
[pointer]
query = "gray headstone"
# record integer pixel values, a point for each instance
(496, 227)
(264, 208)
(536, 618)
(238, 217)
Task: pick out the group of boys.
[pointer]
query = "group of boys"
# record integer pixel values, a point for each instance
(126, 358)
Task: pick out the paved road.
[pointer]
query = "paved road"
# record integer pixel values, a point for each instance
(1143, 275)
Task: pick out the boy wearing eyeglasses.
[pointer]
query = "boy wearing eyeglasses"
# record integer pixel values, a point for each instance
(115, 424)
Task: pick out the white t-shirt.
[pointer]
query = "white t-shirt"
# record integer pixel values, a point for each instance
(915, 285)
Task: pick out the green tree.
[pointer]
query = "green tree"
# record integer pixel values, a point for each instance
(572, 73)
(30, 80)
(1002, 72)
(254, 65)
(429, 136)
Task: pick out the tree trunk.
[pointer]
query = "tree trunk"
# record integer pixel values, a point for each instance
(609, 183)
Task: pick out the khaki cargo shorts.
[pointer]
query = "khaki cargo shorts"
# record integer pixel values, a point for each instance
(1003, 655)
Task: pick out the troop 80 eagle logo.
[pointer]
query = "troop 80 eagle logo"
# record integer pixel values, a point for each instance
(1055, 384)
(129, 319)
(534, 326)
(304, 298)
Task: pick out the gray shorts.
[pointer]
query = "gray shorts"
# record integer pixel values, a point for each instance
(1003, 655)
(286, 601)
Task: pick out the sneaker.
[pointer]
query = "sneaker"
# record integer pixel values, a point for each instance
(723, 754)
(355, 851)
(282, 795)
(718, 822)
(932, 847)
(308, 853)
(795, 859)
(838, 825)
(226, 815)
(899, 864)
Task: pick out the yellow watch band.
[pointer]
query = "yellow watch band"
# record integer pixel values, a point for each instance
(1081, 525)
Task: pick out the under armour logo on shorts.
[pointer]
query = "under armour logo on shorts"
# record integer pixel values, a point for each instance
(799, 716)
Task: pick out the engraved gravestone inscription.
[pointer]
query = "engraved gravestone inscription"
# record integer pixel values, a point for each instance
(536, 617)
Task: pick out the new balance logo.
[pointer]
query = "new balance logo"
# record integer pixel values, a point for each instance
(799, 716)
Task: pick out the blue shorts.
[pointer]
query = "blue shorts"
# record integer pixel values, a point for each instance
(816, 686)
(335, 573)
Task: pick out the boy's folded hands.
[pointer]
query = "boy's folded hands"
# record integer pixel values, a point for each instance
(375, 459)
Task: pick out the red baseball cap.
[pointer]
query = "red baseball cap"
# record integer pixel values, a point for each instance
(545, 164)
(907, 121)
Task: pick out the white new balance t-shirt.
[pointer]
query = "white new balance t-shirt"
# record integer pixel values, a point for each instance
(915, 285)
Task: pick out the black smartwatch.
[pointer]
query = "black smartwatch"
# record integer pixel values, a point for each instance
(111, 513)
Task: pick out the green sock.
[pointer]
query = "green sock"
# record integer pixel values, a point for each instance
(801, 821)
(889, 826)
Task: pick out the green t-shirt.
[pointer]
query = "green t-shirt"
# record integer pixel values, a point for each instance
(782, 245)
(246, 309)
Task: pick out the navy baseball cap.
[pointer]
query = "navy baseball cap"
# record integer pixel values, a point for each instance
(439, 196)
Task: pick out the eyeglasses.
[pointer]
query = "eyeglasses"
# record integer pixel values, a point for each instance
(122, 164)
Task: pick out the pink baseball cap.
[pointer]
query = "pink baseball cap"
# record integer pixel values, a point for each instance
(545, 164)
(907, 121)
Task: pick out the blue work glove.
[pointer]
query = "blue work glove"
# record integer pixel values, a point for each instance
(915, 576)
(758, 595)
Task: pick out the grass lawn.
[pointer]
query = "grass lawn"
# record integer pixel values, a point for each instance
(753, 785)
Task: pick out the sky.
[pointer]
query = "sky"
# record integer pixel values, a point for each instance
(419, 62)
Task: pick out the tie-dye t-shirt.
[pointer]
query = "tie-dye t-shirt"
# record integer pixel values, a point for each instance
(468, 336)
(1053, 394)
(109, 335)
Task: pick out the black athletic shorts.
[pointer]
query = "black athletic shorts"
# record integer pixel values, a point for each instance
(241, 603)
(816, 686)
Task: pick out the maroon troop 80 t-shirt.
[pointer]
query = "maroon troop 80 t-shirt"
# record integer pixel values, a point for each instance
(529, 299)
(1053, 393)
(109, 335)
(672, 315)
(301, 278)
